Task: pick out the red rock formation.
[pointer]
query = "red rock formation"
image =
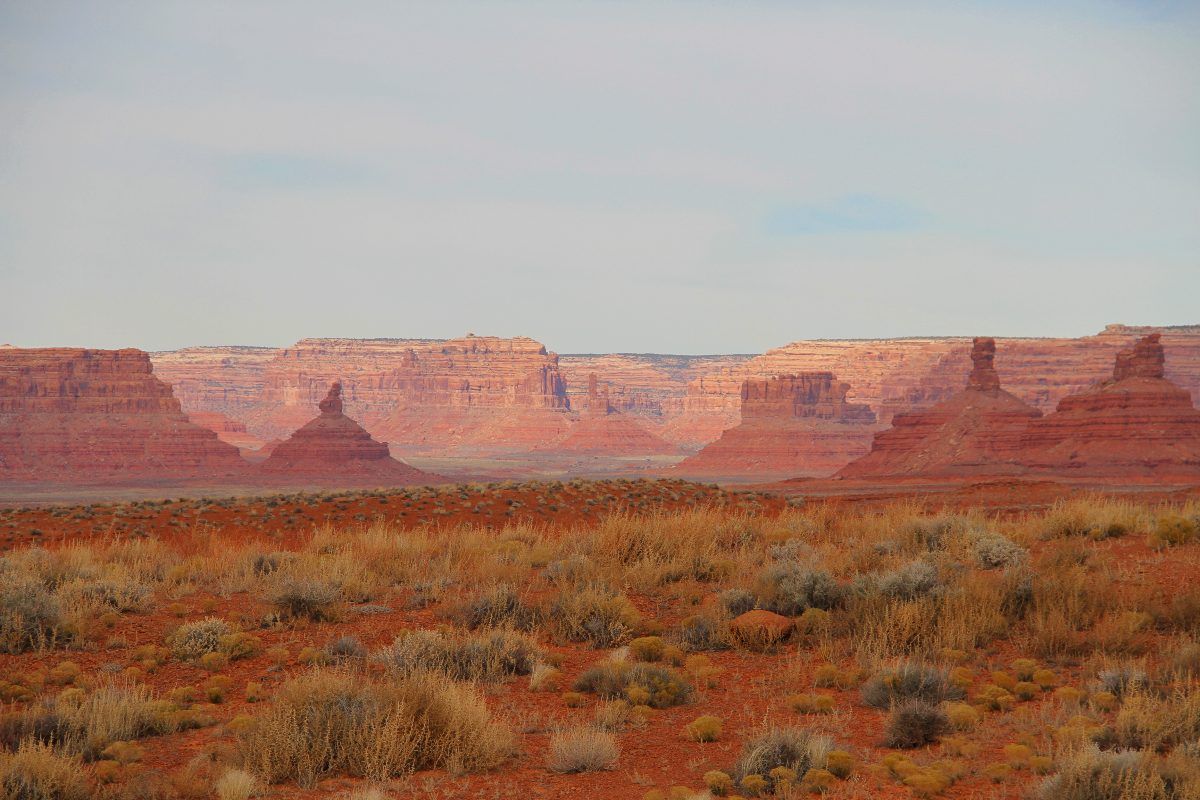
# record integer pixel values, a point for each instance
(227, 430)
(333, 448)
(602, 430)
(72, 415)
(976, 432)
(1135, 424)
(791, 425)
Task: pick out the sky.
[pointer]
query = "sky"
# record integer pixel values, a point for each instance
(680, 177)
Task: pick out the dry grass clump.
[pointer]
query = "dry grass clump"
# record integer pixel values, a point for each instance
(236, 784)
(489, 656)
(582, 749)
(80, 723)
(915, 723)
(794, 749)
(334, 722)
(1092, 518)
(640, 683)
(31, 617)
(191, 640)
(594, 614)
(36, 772)
(498, 607)
(791, 589)
(311, 598)
(910, 681)
(1093, 774)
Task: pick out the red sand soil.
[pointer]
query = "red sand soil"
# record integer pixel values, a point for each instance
(750, 689)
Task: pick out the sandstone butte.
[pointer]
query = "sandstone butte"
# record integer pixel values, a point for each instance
(603, 430)
(73, 415)
(791, 425)
(333, 447)
(442, 397)
(1135, 424)
(976, 432)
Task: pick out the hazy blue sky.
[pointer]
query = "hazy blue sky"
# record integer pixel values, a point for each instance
(603, 176)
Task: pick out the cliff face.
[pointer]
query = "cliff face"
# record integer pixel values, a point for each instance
(1136, 423)
(977, 431)
(601, 429)
(791, 425)
(899, 375)
(333, 448)
(74, 415)
(489, 395)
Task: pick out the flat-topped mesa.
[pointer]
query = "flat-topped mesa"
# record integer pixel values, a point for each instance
(335, 449)
(983, 377)
(1138, 424)
(1145, 360)
(74, 415)
(791, 425)
(975, 432)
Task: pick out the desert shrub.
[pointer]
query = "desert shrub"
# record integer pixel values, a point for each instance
(1171, 530)
(704, 632)
(498, 607)
(706, 728)
(1149, 722)
(910, 681)
(915, 723)
(345, 648)
(78, 723)
(1121, 678)
(790, 589)
(647, 648)
(299, 597)
(661, 686)
(235, 784)
(36, 772)
(993, 551)
(30, 615)
(487, 656)
(191, 640)
(335, 722)
(569, 570)
(582, 750)
(1093, 774)
(736, 601)
(1090, 517)
(796, 749)
(911, 581)
(594, 614)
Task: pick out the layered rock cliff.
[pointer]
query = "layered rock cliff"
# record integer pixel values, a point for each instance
(334, 449)
(601, 429)
(73, 415)
(791, 425)
(976, 432)
(1136, 423)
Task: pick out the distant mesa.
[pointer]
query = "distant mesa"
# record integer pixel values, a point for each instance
(230, 431)
(1135, 424)
(78, 416)
(332, 446)
(793, 425)
(603, 430)
(975, 432)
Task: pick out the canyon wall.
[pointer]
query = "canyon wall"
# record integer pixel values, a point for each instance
(76, 415)
(489, 395)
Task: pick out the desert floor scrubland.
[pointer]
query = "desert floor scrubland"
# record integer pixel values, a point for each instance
(599, 639)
